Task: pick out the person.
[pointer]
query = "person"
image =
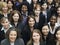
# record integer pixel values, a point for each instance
(16, 19)
(12, 37)
(10, 6)
(45, 34)
(58, 14)
(36, 38)
(45, 11)
(24, 9)
(56, 40)
(28, 29)
(52, 26)
(4, 10)
(5, 26)
(57, 35)
(40, 19)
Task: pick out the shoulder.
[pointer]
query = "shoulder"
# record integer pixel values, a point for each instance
(20, 40)
(3, 42)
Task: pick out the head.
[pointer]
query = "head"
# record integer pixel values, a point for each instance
(58, 10)
(16, 16)
(57, 33)
(10, 4)
(31, 21)
(49, 1)
(36, 36)
(45, 30)
(37, 9)
(4, 7)
(24, 7)
(5, 22)
(44, 5)
(34, 1)
(53, 19)
(12, 34)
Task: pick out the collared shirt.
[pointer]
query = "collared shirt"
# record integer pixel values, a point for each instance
(53, 31)
(5, 29)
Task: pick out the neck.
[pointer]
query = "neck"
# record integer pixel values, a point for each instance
(31, 28)
(45, 37)
(37, 43)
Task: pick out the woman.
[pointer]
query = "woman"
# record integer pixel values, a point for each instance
(16, 19)
(46, 34)
(40, 19)
(28, 29)
(56, 41)
(46, 12)
(58, 14)
(12, 38)
(36, 38)
(5, 26)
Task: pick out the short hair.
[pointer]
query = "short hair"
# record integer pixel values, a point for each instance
(4, 19)
(12, 29)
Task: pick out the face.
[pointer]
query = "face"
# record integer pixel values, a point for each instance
(37, 12)
(12, 36)
(58, 11)
(58, 35)
(31, 22)
(5, 23)
(44, 6)
(50, 1)
(24, 8)
(10, 4)
(36, 37)
(35, 1)
(53, 20)
(45, 30)
(5, 9)
(16, 17)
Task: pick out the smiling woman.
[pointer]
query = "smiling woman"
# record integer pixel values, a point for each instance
(12, 38)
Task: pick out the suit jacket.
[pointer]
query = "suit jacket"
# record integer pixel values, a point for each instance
(17, 42)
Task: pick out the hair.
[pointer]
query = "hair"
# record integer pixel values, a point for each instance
(12, 14)
(57, 29)
(4, 19)
(46, 24)
(36, 31)
(53, 15)
(30, 16)
(26, 4)
(13, 29)
(38, 4)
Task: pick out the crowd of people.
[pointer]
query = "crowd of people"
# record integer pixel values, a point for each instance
(30, 22)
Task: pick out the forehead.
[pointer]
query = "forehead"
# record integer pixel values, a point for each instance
(31, 18)
(46, 26)
(5, 20)
(13, 32)
(54, 17)
(16, 14)
(36, 33)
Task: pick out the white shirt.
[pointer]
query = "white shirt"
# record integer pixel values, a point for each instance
(53, 31)
(12, 43)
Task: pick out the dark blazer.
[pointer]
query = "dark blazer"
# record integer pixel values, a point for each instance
(31, 43)
(17, 42)
(26, 33)
(20, 26)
